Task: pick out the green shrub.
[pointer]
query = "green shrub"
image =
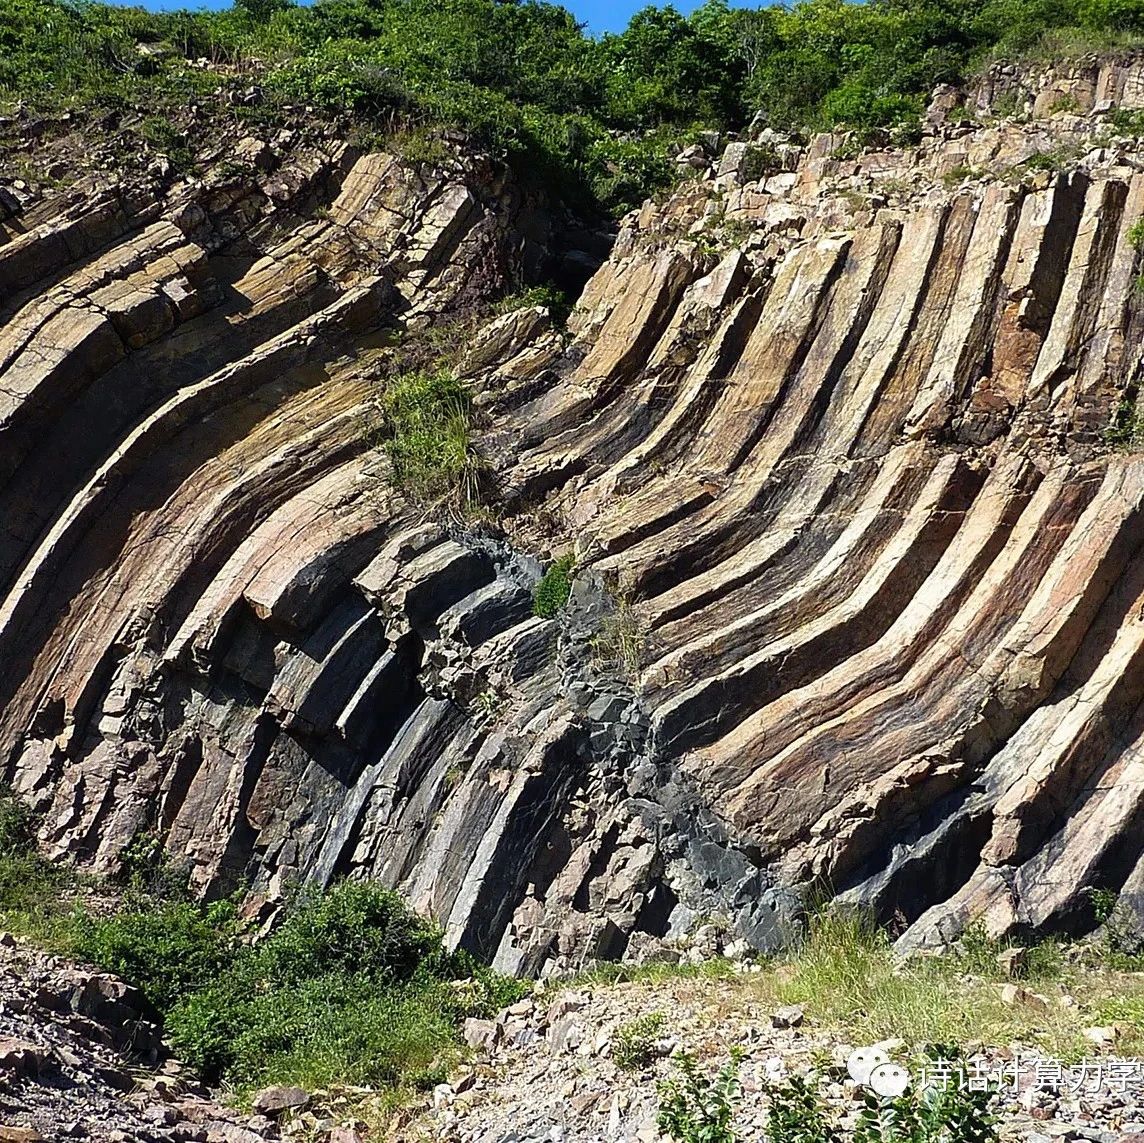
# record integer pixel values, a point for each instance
(697, 1108)
(340, 1027)
(169, 951)
(934, 1114)
(352, 985)
(428, 415)
(358, 928)
(796, 1114)
(17, 826)
(634, 1045)
(552, 592)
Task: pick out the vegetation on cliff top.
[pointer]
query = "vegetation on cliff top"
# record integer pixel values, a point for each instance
(595, 117)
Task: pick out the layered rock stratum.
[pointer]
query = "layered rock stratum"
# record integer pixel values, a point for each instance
(842, 438)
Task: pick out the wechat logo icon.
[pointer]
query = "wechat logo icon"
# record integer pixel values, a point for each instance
(872, 1068)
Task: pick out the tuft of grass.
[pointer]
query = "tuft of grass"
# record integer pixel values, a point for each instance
(619, 644)
(554, 588)
(633, 1047)
(428, 414)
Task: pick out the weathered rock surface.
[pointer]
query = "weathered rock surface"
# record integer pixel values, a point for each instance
(859, 587)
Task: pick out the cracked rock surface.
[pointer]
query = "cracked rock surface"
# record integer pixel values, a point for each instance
(859, 598)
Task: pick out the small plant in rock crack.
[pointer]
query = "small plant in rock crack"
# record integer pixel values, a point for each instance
(634, 1046)
(1122, 941)
(554, 588)
(697, 1108)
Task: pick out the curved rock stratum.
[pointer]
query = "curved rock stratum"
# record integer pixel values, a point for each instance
(843, 441)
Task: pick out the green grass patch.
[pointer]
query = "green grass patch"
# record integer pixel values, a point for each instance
(846, 974)
(554, 299)
(428, 415)
(554, 588)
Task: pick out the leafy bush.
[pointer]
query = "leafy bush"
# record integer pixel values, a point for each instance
(634, 1045)
(351, 985)
(555, 586)
(169, 951)
(697, 1108)
(796, 1114)
(17, 826)
(936, 1113)
(427, 414)
(358, 928)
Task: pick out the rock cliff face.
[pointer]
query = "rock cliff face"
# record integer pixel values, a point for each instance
(859, 599)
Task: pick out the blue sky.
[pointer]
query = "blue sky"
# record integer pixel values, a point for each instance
(599, 15)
